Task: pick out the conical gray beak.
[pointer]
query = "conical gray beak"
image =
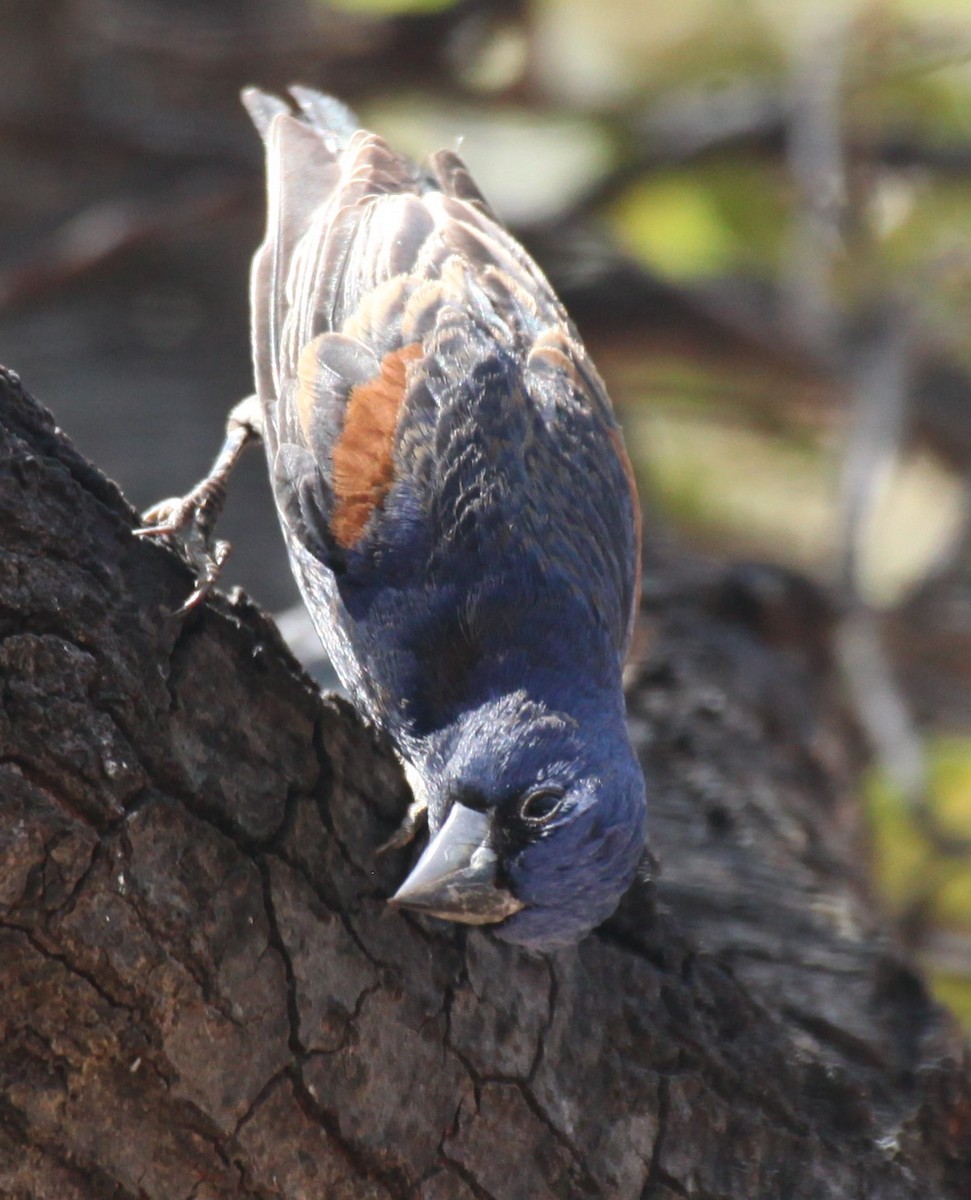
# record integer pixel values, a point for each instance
(455, 878)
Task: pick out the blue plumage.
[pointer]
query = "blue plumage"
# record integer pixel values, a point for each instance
(460, 516)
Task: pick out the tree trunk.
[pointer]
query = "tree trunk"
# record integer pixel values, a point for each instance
(205, 995)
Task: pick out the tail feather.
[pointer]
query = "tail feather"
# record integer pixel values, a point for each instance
(262, 108)
(326, 113)
(300, 170)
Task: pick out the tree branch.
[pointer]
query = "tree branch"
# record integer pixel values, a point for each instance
(205, 995)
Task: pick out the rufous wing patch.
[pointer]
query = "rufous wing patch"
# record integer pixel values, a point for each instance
(363, 463)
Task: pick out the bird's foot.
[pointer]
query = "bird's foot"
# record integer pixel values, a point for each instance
(189, 522)
(414, 819)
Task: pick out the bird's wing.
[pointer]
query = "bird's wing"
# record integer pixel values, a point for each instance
(427, 400)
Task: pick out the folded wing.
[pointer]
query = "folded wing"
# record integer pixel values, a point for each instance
(422, 386)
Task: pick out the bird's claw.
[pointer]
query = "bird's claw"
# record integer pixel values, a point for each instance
(208, 575)
(188, 523)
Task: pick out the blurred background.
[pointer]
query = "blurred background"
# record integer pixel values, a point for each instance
(758, 212)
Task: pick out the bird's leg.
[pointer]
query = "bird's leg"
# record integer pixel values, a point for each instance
(414, 818)
(189, 521)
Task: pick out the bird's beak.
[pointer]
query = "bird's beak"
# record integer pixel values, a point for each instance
(455, 878)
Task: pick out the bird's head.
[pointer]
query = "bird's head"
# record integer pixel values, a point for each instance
(536, 821)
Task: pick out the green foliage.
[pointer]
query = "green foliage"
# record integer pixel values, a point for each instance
(720, 216)
(914, 875)
(734, 484)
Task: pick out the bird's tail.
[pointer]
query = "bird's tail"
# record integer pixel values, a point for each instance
(323, 113)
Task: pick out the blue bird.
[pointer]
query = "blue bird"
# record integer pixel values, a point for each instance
(460, 515)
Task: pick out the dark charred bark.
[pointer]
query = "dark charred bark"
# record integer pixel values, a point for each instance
(205, 995)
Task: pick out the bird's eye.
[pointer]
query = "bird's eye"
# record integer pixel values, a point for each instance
(540, 806)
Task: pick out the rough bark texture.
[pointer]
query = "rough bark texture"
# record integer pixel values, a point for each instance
(204, 994)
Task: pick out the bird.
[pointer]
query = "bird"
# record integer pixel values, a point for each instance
(460, 515)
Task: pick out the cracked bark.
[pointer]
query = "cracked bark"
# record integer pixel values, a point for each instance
(205, 995)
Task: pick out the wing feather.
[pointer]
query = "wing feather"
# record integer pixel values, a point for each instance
(452, 176)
